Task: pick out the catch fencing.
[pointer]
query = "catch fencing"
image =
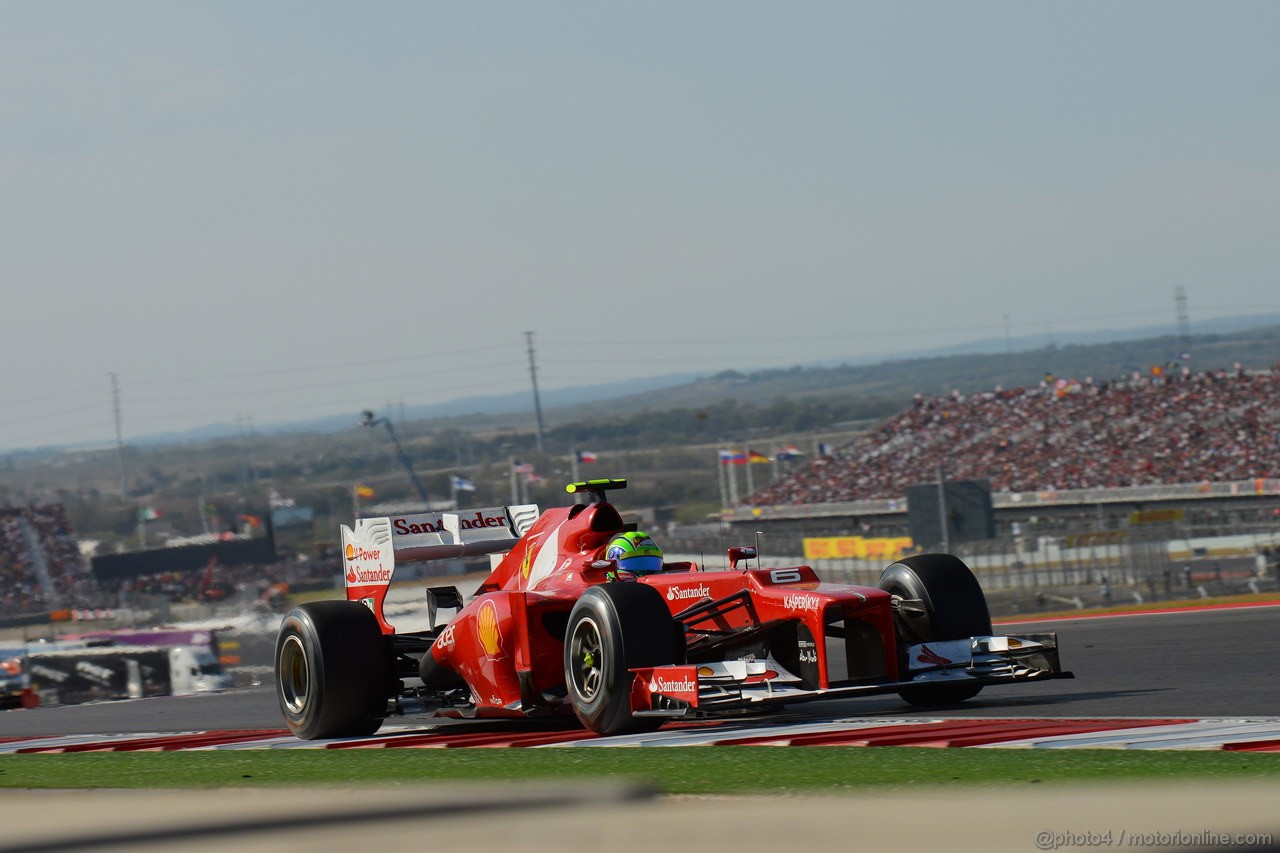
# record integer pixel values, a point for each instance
(1072, 569)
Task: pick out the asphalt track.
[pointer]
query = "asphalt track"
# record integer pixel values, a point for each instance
(1207, 663)
(1189, 664)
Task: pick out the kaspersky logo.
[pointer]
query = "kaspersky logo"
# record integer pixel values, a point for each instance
(675, 593)
(801, 602)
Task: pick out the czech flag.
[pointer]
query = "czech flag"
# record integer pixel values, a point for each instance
(586, 456)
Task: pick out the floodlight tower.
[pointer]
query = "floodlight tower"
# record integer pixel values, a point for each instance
(370, 421)
(537, 403)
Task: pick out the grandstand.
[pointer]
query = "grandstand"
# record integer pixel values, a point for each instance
(1201, 428)
(40, 563)
(1102, 448)
(43, 574)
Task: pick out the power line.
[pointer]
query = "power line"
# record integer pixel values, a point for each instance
(312, 368)
(1184, 321)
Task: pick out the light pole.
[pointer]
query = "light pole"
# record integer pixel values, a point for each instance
(370, 421)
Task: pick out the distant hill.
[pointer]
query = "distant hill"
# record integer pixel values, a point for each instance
(980, 365)
(940, 374)
(491, 405)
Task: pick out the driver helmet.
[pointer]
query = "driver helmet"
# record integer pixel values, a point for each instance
(635, 552)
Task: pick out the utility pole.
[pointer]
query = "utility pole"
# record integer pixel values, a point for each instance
(1184, 322)
(537, 403)
(204, 505)
(721, 482)
(115, 409)
(248, 464)
(942, 511)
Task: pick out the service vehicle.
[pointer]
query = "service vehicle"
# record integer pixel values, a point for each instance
(15, 692)
(557, 628)
(69, 676)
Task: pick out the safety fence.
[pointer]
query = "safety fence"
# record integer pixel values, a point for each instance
(1077, 568)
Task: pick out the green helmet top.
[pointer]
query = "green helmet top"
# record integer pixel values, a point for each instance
(635, 552)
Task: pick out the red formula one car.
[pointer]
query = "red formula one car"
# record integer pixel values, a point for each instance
(556, 628)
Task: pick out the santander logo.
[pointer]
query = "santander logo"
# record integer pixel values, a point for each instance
(356, 574)
(675, 593)
(663, 685)
(358, 569)
(404, 527)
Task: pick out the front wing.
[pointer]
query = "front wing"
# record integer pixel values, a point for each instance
(728, 686)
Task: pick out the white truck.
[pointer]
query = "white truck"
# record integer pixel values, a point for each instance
(68, 676)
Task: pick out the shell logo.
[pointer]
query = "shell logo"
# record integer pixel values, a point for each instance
(351, 551)
(487, 629)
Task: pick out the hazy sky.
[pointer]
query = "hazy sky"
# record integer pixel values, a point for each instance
(280, 210)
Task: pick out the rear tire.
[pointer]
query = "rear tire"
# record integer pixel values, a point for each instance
(333, 670)
(955, 608)
(614, 628)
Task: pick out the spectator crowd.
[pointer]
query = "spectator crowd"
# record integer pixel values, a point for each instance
(1063, 434)
(216, 582)
(21, 588)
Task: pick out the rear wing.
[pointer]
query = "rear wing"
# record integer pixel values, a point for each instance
(372, 546)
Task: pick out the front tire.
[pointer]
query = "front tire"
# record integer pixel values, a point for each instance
(614, 628)
(333, 670)
(954, 608)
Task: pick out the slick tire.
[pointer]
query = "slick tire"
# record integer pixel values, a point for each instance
(612, 629)
(955, 608)
(333, 670)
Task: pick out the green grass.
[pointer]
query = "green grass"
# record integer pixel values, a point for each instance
(684, 770)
